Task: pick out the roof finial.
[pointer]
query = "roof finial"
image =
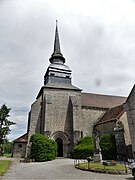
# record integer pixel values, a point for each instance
(57, 52)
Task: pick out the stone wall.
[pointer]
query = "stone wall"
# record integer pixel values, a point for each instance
(19, 150)
(120, 144)
(131, 123)
(89, 117)
(106, 128)
(130, 110)
(63, 112)
(127, 137)
(35, 117)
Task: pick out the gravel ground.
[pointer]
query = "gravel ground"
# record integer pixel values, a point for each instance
(60, 168)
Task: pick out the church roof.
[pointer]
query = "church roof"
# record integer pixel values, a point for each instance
(101, 101)
(112, 114)
(22, 139)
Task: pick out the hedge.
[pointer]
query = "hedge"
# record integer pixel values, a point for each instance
(84, 148)
(42, 148)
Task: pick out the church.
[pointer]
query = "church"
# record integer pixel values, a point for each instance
(65, 113)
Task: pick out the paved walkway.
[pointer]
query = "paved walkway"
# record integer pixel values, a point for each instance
(61, 168)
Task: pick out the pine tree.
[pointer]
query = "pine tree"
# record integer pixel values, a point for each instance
(4, 125)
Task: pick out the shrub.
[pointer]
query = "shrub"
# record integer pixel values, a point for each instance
(108, 147)
(43, 148)
(7, 146)
(84, 148)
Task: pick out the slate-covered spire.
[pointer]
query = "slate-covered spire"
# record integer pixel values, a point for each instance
(56, 41)
(57, 57)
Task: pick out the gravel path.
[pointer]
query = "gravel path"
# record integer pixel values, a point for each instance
(57, 169)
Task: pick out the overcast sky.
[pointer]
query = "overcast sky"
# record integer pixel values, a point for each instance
(97, 39)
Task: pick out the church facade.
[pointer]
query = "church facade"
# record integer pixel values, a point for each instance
(65, 114)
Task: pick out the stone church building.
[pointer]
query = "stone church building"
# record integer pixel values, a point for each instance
(65, 113)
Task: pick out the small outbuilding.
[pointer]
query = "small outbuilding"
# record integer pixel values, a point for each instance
(19, 146)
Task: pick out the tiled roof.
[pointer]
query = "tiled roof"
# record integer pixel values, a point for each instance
(112, 114)
(101, 101)
(23, 138)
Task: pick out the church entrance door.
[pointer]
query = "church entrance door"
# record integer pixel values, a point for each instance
(60, 147)
(63, 143)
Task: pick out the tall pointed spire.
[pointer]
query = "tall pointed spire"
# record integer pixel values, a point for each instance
(57, 57)
(56, 41)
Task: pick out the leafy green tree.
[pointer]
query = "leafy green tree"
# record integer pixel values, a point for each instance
(108, 147)
(42, 148)
(4, 125)
(7, 146)
(84, 148)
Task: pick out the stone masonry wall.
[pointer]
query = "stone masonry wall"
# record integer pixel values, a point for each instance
(106, 128)
(19, 150)
(34, 126)
(131, 123)
(89, 118)
(127, 137)
(63, 113)
(130, 110)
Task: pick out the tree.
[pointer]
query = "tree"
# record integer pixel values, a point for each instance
(108, 147)
(42, 148)
(4, 125)
(7, 146)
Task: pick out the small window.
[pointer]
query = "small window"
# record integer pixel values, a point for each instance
(67, 77)
(20, 145)
(52, 74)
(81, 134)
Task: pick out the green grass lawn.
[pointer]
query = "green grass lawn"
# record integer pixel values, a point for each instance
(4, 164)
(100, 166)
